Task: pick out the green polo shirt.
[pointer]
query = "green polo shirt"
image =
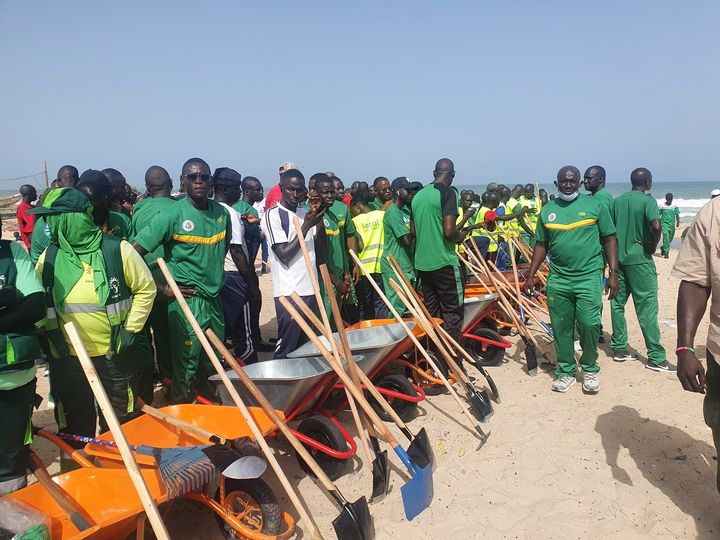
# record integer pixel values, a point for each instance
(194, 243)
(120, 226)
(143, 215)
(633, 211)
(396, 224)
(252, 230)
(572, 232)
(668, 215)
(432, 250)
(603, 195)
(338, 227)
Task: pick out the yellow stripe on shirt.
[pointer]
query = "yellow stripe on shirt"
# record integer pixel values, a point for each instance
(571, 226)
(210, 241)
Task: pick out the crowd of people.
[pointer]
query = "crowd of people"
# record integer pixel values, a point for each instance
(90, 246)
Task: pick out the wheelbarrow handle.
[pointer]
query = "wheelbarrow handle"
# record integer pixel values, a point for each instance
(181, 424)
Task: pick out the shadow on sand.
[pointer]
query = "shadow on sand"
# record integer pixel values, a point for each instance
(681, 467)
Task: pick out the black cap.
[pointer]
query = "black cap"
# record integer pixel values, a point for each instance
(401, 182)
(225, 176)
(415, 186)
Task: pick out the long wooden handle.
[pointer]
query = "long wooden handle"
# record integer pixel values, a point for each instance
(77, 514)
(127, 456)
(270, 411)
(344, 377)
(417, 344)
(309, 315)
(352, 367)
(292, 495)
(181, 424)
(326, 324)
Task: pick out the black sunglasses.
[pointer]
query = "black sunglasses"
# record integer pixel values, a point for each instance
(194, 176)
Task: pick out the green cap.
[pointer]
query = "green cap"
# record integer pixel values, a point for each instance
(61, 201)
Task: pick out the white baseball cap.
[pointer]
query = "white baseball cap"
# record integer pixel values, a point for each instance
(715, 192)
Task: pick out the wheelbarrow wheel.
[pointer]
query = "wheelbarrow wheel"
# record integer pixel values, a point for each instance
(252, 503)
(323, 431)
(404, 409)
(430, 387)
(492, 355)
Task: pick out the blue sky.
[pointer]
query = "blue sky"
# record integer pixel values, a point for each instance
(510, 91)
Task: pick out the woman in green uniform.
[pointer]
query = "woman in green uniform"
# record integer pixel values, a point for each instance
(575, 229)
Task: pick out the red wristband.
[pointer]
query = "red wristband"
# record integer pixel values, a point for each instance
(679, 349)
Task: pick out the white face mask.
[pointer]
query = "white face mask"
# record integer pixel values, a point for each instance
(570, 197)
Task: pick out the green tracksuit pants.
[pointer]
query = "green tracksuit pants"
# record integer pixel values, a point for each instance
(640, 281)
(142, 366)
(158, 322)
(575, 303)
(668, 233)
(191, 366)
(15, 413)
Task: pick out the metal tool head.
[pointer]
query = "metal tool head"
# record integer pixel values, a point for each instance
(381, 475)
(355, 521)
(420, 450)
(246, 467)
(417, 493)
(491, 384)
(481, 404)
(531, 358)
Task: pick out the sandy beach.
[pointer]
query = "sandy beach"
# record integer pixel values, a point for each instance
(634, 461)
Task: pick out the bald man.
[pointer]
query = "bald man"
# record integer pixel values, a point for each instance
(67, 176)
(576, 229)
(637, 218)
(26, 222)
(158, 186)
(435, 212)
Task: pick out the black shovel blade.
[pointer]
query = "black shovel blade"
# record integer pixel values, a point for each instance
(420, 450)
(480, 402)
(381, 477)
(531, 358)
(491, 384)
(355, 521)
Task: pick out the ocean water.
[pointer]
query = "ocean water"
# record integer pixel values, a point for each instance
(688, 196)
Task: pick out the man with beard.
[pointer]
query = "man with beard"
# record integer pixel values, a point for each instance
(576, 229)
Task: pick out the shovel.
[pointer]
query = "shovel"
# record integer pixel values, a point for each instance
(450, 343)
(420, 449)
(479, 399)
(417, 492)
(354, 521)
(480, 433)
(292, 495)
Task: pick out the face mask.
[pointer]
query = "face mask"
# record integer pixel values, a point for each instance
(570, 197)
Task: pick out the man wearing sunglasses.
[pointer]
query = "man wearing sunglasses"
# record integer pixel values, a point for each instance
(195, 233)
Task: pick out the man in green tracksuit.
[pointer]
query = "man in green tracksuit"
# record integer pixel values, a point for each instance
(638, 223)
(576, 229)
(158, 186)
(195, 234)
(22, 303)
(669, 221)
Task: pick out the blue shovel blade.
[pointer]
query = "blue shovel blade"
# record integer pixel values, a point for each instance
(417, 493)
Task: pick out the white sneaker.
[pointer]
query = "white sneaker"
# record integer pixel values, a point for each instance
(591, 382)
(622, 356)
(563, 384)
(578, 348)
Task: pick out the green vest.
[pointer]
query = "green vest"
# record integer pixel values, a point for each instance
(18, 350)
(370, 228)
(117, 307)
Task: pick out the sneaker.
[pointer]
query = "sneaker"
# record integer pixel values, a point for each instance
(563, 384)
(621, 356)
(591, 382)
(578, 348)
(665, 366)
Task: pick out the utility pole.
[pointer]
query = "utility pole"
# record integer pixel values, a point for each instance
(46, 174)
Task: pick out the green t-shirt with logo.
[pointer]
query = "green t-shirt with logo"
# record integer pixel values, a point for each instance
(120, 226)
(194, 243)
(573, 231)
(338, 227)
(396, 224)
(668, 215)
(252, 230)
(432, 250)
(633, 212)
(143, 215)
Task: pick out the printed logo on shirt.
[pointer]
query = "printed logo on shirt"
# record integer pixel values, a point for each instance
(552, 217)
(326, 222)
(3, 280)
(581, 214)
(220, 219)
(188, 225)
(114, 284)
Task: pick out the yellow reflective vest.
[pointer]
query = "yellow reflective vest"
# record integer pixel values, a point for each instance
(369, 227)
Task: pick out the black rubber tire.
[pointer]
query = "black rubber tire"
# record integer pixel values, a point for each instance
(262, 495)
(404, 409)
(493, 355)
(324, 431)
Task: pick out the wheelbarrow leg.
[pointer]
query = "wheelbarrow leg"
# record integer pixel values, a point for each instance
(140, 530)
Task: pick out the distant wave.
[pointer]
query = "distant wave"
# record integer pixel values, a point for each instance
(686, 203)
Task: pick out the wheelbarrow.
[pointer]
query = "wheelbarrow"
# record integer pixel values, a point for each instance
(103, 490)
(482, 339)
